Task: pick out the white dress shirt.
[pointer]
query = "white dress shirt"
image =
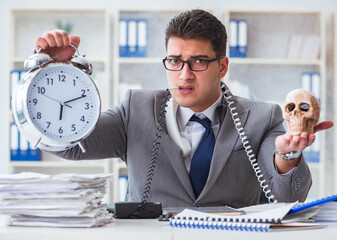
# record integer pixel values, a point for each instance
(194, 131)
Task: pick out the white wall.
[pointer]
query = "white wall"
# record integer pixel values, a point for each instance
(326, 6)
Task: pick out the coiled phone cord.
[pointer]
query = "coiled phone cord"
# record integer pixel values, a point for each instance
(154, 153)
(245, 142)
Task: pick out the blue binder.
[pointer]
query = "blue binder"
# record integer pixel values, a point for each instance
(238, 38)
(233, 38)
(243, 38)
(141, 38)
(132, 38)
(14, 142)
(123, 30)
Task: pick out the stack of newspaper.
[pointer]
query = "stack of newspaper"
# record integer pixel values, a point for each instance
(62, 200)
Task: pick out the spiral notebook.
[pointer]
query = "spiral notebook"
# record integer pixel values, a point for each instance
(273, 218)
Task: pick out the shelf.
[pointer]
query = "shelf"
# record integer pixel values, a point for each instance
(48, 164)
(274, 61)
(21, 60)
(140, 60)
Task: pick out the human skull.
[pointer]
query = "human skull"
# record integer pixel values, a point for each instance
(301, 110)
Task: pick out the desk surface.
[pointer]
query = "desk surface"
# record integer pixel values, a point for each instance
(153, 230)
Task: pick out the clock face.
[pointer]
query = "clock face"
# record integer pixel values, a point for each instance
(63, 103)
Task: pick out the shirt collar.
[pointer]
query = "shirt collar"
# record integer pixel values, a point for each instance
(184, 114)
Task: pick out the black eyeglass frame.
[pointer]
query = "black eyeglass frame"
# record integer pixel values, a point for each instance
(189, 65)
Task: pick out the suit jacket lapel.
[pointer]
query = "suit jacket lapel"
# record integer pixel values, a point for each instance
(224, 145)
(172, 149)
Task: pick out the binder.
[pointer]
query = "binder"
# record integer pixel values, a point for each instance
(141, 38)
(295, 44)
(14, 141)
(132, 38)
(34, 154)
(122, 187)
(23, 148)
(233, 38)
(311, 204)
(123, 38)
(243, 38)
(306, 81)
(14, 79)
(316, 84)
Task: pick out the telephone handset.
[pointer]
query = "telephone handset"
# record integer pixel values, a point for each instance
(145, 209)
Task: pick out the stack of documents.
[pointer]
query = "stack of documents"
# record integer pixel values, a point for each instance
(327, 213)
(62, 200)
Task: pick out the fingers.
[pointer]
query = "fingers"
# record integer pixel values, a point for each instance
(299, 143)
(75, 40)
(41, 43)
(56, 38)
(288, 143)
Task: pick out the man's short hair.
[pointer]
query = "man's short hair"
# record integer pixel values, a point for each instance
(198, 24)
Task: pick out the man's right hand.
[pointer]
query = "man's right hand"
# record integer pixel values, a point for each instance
(56, 44)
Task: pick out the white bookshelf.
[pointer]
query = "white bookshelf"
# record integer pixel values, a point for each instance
(270, 74)
(93, 25)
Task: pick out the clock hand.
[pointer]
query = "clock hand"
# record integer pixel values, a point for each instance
(75, 99)
(62, 103)
(61, 111)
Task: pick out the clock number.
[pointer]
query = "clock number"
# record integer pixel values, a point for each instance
(38, 115)
(73, 127)
(74, 81)
(48, 124)
(86, 106)
(60, 130)
(41, 90)
(62, 78)
(50, 81)
(35, 101)
(82, 119)
(83, 93)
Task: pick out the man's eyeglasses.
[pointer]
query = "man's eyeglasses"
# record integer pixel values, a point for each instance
(198, 65)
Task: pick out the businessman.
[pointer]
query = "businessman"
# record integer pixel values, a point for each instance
(199, 156)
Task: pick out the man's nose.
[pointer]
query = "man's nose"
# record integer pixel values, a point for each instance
(186, 72)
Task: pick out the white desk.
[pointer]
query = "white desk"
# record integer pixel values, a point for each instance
(154, 230)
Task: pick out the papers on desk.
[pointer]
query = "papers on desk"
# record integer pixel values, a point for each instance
(62, 200)
(327, 213)
(270, 217)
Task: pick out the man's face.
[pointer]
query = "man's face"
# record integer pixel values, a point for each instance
(197, 90)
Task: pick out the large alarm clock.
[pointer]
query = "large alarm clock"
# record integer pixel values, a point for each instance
(56, 105)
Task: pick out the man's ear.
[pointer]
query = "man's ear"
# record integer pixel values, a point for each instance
(223, 67)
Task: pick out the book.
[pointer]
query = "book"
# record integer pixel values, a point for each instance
(218, 210)
(314, 203)
(272, 219)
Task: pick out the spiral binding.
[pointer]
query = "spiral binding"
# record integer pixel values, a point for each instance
(220, 225)
(247, 147)
(154, 153)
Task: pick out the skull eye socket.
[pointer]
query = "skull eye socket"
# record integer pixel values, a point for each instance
(290, 107)
(304, 107)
